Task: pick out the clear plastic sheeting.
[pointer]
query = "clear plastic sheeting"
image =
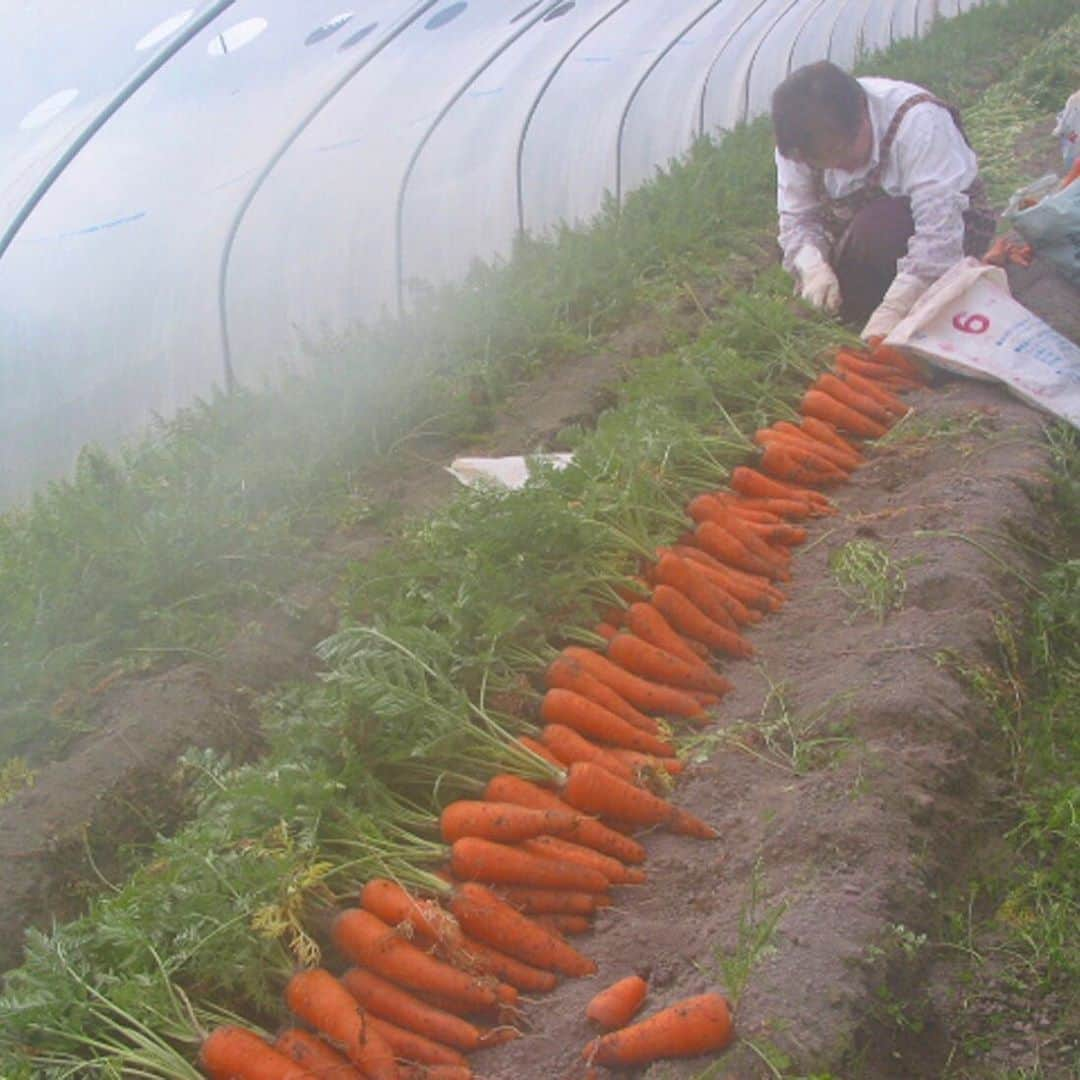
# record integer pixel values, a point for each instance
(195, 193)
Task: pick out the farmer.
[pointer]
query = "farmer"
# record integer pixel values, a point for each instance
(878, 192)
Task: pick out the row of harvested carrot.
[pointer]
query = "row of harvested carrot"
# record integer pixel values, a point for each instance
(530, 865)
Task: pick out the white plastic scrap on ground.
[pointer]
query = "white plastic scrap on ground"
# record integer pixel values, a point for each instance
(967, 322)
(503, 472)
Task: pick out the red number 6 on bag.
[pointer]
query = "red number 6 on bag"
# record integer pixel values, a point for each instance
(971, 324)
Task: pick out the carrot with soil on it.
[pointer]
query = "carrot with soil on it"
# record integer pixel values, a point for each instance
(367, 940)
(502, 822)
(842, 459)
(684, 614)
(321, 1061)
(477, 955)
(392, 1002)
(565, 673)
(825, 407)
(721, 606)
(615, 1006)
(473, 859)
(230, 1052)
(564, 924)
(808, 455)
(598, 792)
(642, 693)
(569, 746)
(322, 1001)
(646, 620)
(785, 461)
(413, 1046)
(751, 539)
(395, 905)
(646, 763)
(616, 872)
(756, 485)
(746, 589)
(504, 787)
(697, 1025)
(640, 658)
(725, 546)
(483, 915)
(553, 901)
(595, 722)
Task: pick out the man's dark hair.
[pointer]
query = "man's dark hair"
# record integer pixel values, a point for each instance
(815, 104)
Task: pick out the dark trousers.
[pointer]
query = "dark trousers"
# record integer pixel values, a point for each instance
(867, 252)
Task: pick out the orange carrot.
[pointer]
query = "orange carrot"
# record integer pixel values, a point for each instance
(437, 1072)
(880, 373)
(645, 763)
(539, 749)
(642, 693)
(487, 918)
(645, 620)
(568, 674)
(867, 387)
(320, 1061)
(637, 656)
(781, 533)
(788, 509)
(595, 722)
(615, 1006)
(234, 1053)
(473, 859)
(826, 407)
(755, 485)
(679, 573)
(392, 1002)
(506, 788)
(749, 538)
(366, 939)
(598, 792)
(478, 955)
(569, 746)
(616, 872)
(847, 460)
(502, 822)
(786, 462)
(552, 901)
(605, 630)
(692, 621)
(806, 453)
(564, 924)
(826, 433)
(894, 358)
(394, 905)
(747, 592)
(722, 545)
(414, 1047)
(317, 997)
(847, 394)
(697, 1025)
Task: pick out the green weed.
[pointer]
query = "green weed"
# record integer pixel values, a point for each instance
(868, 576)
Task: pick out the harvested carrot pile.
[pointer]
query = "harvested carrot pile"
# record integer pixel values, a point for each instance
(439, 972)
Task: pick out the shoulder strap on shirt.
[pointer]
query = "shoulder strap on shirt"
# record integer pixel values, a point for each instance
(902, 110)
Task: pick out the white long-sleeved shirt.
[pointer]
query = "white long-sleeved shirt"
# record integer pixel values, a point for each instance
(929, 162)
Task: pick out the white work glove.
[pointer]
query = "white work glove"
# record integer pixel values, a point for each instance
(817, 282)
(898, 300)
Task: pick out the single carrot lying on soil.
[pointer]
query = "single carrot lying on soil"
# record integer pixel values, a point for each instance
(616, 1006)
(553, 901)
(392, 1002)
(595, 722)
(616, 872)
(367, 940)
(570, 746)
(234, 1053)
(637, 656)
(321, 1061)
(414, 1046)
(502, 822)
(598, 792)
(473, 859)
(698, 1025)
(321, 1000)
(504, 787)
(643, 693)
(482, 914)
(826, 407)
(566, 673)
(689, 619)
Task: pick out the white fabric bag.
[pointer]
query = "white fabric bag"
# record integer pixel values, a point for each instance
(967, 322)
